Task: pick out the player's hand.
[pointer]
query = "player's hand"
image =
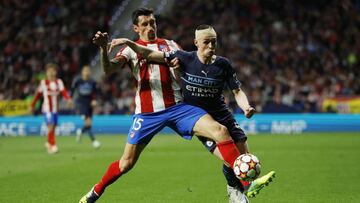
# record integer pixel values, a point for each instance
(101, 39)
(249, 112)
(70, 103)
(117, 42)
(31, 109)
(93, 103)
(174, 63)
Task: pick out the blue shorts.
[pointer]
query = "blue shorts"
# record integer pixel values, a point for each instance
(51, 118)
(84, 110)
(181, 118)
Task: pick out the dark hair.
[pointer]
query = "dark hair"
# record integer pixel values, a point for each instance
(204, 27)
(141, 12)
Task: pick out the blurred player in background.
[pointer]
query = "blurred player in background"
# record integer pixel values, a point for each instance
(203, 78)
(50, 89)
(87, 91)
(158, 103)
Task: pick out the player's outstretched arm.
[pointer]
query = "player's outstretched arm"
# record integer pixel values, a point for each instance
(33, 102)
(101, 39)
(243, 102)
(151, 55)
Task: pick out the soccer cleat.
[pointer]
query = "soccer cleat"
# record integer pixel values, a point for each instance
(236, 196)
(54, 149)
(78, 135)
(96, 144)
(259, 183)
(90, 197)
(51, 149)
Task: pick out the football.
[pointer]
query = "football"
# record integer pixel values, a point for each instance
(247, 167)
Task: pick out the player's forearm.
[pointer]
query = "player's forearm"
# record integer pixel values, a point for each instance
(241, 99)
(36, 98)
(177, 74)
(152, 55)
(105, 61)
(65, 94)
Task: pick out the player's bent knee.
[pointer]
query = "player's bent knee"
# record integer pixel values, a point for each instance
(221, 133)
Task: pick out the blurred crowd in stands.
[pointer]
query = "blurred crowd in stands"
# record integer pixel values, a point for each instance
(33, 33)
(289, 54)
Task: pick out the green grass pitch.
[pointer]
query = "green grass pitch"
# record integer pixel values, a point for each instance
(323, 167)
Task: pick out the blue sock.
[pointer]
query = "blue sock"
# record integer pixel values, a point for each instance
(231, 178)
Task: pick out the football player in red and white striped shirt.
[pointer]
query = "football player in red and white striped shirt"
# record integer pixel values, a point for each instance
(50, 89)
(158, 103)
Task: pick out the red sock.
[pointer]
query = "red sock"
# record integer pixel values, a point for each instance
(51, 137)
(245, 183)
(228, 151)
(111, 175)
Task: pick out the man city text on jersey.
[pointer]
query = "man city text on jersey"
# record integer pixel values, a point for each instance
(203, 84)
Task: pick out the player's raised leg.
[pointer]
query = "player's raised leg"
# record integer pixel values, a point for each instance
(114, 171)
(206, 126)
(188, 120)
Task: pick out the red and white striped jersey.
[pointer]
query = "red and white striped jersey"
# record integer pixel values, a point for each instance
(50, 90)
(157, 88)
